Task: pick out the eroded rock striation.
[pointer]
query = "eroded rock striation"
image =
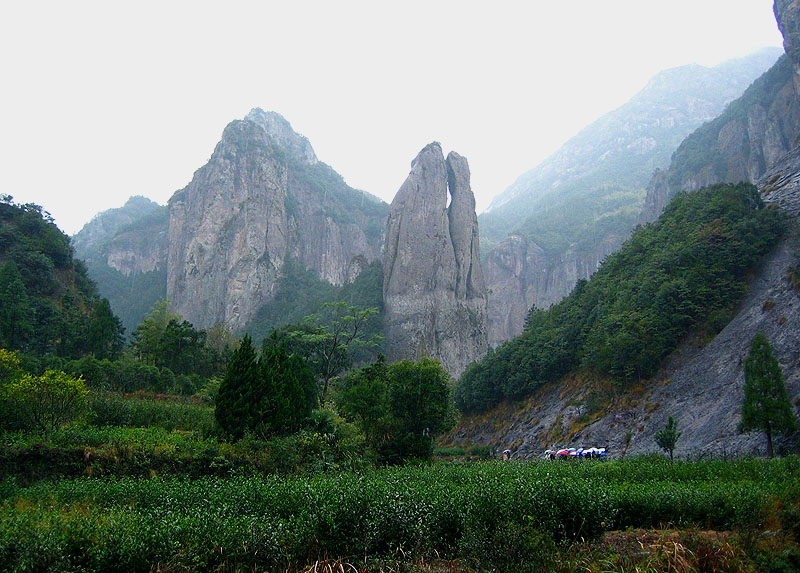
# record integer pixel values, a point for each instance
(521, 275)
(262, 197)
(433, 287)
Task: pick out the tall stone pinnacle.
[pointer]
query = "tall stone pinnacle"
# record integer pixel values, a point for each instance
(433, 288)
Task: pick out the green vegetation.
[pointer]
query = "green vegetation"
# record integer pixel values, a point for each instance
(48, 305)
(667, 437)
(330, 340)
(399, 407)
(583, 216)
(301, 293)
(766, 405)
(701, 148)
(46, 402)
(131, 296)
(684, 272)
(164, 340)
(268, 395)
(486, 516)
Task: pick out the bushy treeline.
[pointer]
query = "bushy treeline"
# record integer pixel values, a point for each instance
(394, 410)
(683, 272)
(300, 293)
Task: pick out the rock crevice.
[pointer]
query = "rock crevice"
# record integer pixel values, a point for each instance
(433, 290)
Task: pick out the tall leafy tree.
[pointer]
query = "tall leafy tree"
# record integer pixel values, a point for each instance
(399, 407)
(106, 333)
(332, 336)
(766, 405)
(16, 319)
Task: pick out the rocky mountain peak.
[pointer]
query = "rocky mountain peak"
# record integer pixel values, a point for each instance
(433, 289)
(281, 133)
(263, 197)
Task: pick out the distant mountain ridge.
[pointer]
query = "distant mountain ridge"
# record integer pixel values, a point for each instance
(627, 144)
(574, 209)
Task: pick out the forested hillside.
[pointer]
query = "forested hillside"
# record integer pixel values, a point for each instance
(48, 304)
(684, 272)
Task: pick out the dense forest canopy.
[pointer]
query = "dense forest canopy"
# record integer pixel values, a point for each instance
(48, 304)
(683, 272)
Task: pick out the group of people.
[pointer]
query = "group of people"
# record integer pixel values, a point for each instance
(570, 453)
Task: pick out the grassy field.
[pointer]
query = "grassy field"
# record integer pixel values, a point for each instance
(618, 515)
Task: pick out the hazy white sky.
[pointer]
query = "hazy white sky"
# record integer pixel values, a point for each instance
(104, 100)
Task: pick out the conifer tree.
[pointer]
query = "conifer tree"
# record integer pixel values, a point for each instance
(668, 436)
(106, 332)
(766, 405)
(233, 409)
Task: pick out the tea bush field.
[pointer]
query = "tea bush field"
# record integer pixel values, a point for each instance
(487, 515)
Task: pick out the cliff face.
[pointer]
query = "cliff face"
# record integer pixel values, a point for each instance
(263, 196)
(131, 239)
(579, 205)
(433, 288)
(739, 145)
(520, 275)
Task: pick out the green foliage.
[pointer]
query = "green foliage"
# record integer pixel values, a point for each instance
(143, 411)
(300, 293)
(128, 375)
(166, 341)
(766, 405)
(242, 373)
(269, 395)
(583, 216)
(666, 280)
(131, 296)
(399, 407)
(667, 437)
(701, 149)
(106, 333)
(46, 297)
(46, 402)
(16, 314)
(330, 339)
(490, 515)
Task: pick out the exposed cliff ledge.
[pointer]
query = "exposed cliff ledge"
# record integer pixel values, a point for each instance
(433, 288)
(263, 196)
(131, 239)
(522, 275)
(740, 145)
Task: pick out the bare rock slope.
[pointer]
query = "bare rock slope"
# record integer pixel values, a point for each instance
(433, 290)
(262, 197)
